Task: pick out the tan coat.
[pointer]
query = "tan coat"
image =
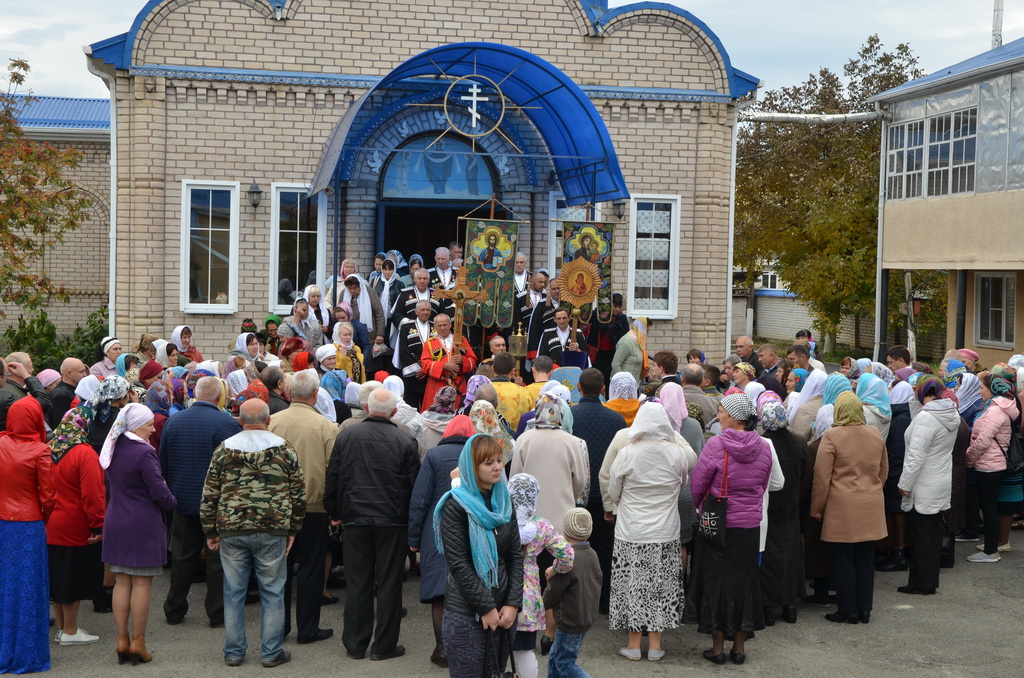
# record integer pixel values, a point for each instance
(804, 419)
(849, 472)
(312, 436)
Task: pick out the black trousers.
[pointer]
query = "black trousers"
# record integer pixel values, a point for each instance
(602, 540)
(987, 484)
(855, 576)
(306, 570)
(414, 389)
(187, 543)
(373, 556)
(972, 508)
(924, 534)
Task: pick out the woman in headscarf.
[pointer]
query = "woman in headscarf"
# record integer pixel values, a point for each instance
(782, 565)
(272, 323)
(160, 346)
(125, 362)
(343, 314)
(849, 473)
(485, 420)
(883, 373)
(75, 527)
(300, 324)
(895, 449)
(537, 536)
(106, 402)
(182, 339)
(246, 349)
(437, 417)
(472, 384)
(805, 409)
(145, 349)
(744, 377)
(835, 384)
(134, 534)
(378, 263)
(415, 264)
(106, 355)
(623, 395)
(319, 310)
(28, 499)
(989, 438)
(348, 355)
(476, 533)
(289, 349)
(237, 382)
(795, 381)
(926, 482)
(725, 589)
(968, 395)
(86, 389)
(631, 352)
(159, 399)
(873, 392)
(406, 413)
(335, 382)
(366, 309)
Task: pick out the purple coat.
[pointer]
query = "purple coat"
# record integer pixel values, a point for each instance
(750, 467)
(134, 534)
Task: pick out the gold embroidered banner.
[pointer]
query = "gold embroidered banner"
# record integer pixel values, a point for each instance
(591, 241)
(489, 266)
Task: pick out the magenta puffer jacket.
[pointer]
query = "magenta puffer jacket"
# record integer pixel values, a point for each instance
(991, 434)
(750, 467)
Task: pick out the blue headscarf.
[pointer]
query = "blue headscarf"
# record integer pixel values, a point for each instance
(334, 382)
(179, 372)
(482, 520)
(871, 390)
(800, 378)
(834, 385)
(121, 366)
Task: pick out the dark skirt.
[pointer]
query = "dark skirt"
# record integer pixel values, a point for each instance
(782, 566)
(725, 590)
(24, 598)
(473, 651)
(1011, 494)
(76, 572)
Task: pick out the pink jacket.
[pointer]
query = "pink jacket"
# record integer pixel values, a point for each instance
(991, 435)
(750, 468)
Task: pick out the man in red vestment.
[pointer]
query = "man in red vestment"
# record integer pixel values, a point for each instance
(443, 365)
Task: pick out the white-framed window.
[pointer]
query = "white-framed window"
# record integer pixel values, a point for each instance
(560, 211)
(653, 256)
(298, 229)
(209, 246)
(995, 308)
(948, 166)
(770, 280)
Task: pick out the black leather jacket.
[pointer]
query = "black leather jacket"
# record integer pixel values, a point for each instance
(465, 592)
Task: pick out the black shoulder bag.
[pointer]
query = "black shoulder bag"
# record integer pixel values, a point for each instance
(711, 526)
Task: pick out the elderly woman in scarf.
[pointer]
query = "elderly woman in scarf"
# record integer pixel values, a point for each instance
(437, 417)
(474, 382)
(159, 399)
(805, 409)
(968, 395)
(319, 309)
(271, 324)
(849, 473)
(558, 390)
(631, 352)
(745, 378)
(366, 308)
(348, 356)
(874, 393)
(486, 420)
(343, 314)
(476, 533)
(623, 395)
(113, 394)
(182, 339)
(835, 384)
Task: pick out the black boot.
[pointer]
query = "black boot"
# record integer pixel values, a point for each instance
(896, 562)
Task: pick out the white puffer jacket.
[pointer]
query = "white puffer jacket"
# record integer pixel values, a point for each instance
(928, 462)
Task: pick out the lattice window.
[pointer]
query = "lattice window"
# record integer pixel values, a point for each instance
(654, 256)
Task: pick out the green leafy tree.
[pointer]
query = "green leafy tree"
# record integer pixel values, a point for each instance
(807, 195)
(38, 202)
(38, 337)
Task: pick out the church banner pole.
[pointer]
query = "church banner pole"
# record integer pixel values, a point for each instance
(337, 237)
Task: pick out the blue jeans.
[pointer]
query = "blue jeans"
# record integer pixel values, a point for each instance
(563, 655)
(239, 555)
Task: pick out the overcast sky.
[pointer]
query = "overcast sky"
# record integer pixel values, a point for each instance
(779, 41)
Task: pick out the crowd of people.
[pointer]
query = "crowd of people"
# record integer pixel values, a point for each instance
(354, 437)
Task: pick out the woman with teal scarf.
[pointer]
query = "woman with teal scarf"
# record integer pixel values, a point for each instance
(877, 405)
(476, 532)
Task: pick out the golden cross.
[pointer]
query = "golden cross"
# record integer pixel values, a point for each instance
(460, 295)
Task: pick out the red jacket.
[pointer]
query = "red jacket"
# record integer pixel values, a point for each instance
(81, 498)
(26, 483)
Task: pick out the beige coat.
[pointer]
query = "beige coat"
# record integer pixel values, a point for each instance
(849, 472)
(804, 419)
(559, 463)
(312, 436)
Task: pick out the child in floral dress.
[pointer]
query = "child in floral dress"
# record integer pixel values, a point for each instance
(536, 535)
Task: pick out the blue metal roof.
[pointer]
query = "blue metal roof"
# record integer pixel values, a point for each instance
(64, 112)
(586, 165)
(1002, 58)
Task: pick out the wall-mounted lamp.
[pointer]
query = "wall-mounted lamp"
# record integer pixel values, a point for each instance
(255, 194)
(619, 206)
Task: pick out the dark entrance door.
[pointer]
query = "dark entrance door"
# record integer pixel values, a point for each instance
(420, 229)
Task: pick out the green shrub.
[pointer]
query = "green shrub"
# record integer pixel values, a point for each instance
(38, 337)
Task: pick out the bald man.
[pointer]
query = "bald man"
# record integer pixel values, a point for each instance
(72, 371)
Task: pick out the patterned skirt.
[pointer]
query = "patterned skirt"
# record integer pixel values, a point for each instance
(647, 586)
(24, 598)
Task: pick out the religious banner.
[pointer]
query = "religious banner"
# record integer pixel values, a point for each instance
(592, 241)
(489, 267)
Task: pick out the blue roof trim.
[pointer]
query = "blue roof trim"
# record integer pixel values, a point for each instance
(63, 112)
(1006, 56)
(362, 81)
(784, 294)
(740, 83)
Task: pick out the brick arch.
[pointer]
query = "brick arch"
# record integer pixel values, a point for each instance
(701, 41)
(163, 12)
(586, 26)
(100, 206)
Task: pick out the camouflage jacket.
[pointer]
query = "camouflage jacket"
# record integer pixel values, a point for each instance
(254, 484)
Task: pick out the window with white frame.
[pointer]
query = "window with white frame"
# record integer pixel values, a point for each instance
(561, 211)
(995, 308)
(653, 256)
(949, 164)
(298, 226)
(209, 246)
(769, 280)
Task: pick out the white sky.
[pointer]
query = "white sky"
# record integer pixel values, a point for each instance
(779, 41)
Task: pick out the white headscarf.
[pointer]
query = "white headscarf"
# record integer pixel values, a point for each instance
(622, 387)
(363, 303)
(814, 386)
(242, 345)
(325, 405)
(524, 491)
(753, 389)
(87, 387)
(211, 366)
(161, 351)
(130, 418)
(325, 352)
(352, 395)
(238, 382)
(902, 393)
(968, 393)
(395, 385)
(556, 388)
(176, 336)
(324, 309)
(824, 420)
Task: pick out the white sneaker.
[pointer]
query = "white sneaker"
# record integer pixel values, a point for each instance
(79, 638)
(984, 558)
(57, 636)
(1005, 548)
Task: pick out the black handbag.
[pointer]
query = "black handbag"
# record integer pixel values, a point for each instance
(1014, 454)
(492, 657)
(711, 525)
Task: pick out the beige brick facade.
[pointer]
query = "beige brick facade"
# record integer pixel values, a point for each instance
(188, 121)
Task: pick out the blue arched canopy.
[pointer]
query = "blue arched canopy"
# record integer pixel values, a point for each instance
(586, 166)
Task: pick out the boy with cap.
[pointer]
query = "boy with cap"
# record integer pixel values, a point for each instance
(574, 597)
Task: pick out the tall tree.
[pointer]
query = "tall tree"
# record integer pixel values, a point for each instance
(807, 195)
(39, 204)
